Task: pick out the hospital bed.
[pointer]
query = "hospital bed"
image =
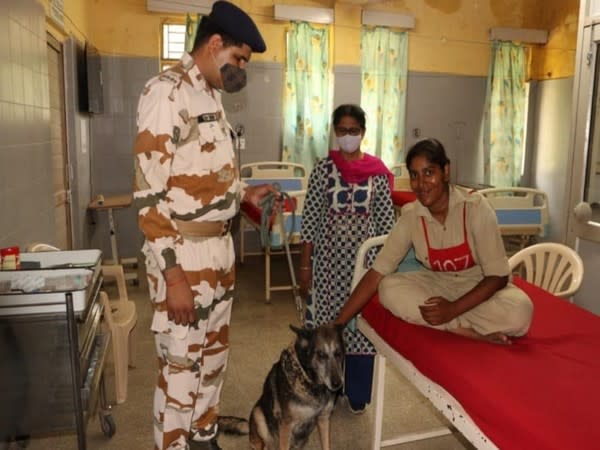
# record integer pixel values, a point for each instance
(401, 192)
(401, 177)
(292, 179)
(521, 212)
(541, 392)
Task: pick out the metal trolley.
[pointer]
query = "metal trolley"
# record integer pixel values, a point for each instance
(53, 349)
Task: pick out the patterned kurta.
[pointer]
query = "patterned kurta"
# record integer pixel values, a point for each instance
(185, 170)
(337, 218)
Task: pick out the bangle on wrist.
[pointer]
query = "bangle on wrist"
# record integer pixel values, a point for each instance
(305, 268)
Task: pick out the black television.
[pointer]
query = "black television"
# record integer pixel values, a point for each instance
(95, 95)
(89, 79)
(81, 81)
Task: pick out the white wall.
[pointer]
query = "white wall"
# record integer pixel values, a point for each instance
(258, 108)
(587, 296)
(450, 109)
(550, 136)
(78, 144)
(447, 107)
(27, 212)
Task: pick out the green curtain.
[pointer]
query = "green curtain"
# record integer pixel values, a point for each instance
(307, 96)
(505, 115)
(384, 69)
(191, 25)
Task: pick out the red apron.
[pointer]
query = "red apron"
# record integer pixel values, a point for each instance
(451, 259)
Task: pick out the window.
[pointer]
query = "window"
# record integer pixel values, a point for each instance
(173, 44)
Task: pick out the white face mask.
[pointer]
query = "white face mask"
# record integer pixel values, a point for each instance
(349, 143)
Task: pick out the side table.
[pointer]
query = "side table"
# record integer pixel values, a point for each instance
(109, 203)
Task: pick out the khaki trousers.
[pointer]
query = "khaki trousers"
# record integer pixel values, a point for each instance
(192, 359)
(508, 311)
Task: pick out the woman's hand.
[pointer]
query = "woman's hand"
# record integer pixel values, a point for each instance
(438, 310)
(305, 270)
(305, 280)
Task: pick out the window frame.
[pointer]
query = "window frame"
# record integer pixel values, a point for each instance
(168, 56)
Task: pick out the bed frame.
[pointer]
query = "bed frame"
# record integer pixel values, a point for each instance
(450, 408)
(540, 392)
(438, 396)
(522, 212)
(292, 178)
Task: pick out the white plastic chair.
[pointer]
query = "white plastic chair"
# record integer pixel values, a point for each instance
(40, 247)
(121, 318)
(554, 267)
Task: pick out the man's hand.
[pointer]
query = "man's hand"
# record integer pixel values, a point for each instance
(180, 299)
(254, 194)
(438, 310)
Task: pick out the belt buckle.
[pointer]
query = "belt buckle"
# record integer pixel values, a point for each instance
(226, 227)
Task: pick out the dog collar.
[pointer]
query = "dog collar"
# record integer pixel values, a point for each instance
(290, 354)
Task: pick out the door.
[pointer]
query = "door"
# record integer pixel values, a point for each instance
(60, 160)
(583, 224)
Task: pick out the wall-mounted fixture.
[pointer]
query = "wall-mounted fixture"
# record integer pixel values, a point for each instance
(303, 13)
(388, 19)
(180, 6)
(528, 35)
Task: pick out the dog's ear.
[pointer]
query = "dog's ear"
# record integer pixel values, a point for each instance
(301, 332)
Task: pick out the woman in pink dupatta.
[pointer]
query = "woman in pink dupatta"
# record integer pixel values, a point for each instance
(348, 201)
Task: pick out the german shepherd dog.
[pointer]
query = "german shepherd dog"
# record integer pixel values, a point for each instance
(300, 391)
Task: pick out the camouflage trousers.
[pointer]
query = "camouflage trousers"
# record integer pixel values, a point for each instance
(192, 359)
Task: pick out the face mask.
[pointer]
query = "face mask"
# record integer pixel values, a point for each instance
(349, 143)
(234, 78)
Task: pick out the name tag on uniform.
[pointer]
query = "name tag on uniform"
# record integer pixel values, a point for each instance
(208, 117)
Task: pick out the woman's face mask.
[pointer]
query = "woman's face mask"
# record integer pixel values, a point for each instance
(349, 143)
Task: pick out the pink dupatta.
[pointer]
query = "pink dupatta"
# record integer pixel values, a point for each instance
(359, 170)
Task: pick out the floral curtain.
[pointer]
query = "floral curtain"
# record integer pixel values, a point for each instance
(191, 26)
(505, 115)
(384, 69)
(307, 96)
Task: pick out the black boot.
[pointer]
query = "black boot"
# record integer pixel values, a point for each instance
(205, 445)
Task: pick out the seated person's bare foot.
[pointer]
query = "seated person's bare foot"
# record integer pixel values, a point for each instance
(494, 338)
(497, 338)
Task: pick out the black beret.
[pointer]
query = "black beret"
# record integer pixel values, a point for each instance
(237, 24)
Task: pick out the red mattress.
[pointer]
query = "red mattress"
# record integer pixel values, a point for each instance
(254, 212)
(401, 198)
(541, 392)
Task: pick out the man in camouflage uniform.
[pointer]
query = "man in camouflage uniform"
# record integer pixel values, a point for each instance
(187, 191)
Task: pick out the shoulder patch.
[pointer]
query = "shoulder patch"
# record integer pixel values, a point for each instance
(173, 74)
(170, 77)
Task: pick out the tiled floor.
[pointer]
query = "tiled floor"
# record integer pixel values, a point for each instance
(259, 332)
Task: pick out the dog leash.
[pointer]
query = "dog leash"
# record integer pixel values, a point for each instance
(268, 205)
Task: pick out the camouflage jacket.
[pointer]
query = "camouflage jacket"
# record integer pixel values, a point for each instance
(184, 158)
